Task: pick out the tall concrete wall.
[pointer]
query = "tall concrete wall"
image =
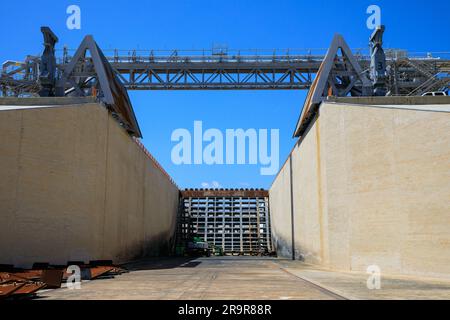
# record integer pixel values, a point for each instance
(75, 186)
(371, 186)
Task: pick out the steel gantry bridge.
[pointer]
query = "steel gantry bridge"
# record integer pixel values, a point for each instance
(236, 71)
(224, 70)
(233, 70)
(108, 77)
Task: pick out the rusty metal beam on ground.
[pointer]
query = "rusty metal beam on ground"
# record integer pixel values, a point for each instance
(16, 283)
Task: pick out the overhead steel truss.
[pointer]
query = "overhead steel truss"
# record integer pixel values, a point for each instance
(212, 72)
(337, 73)
(391, 72)
(405, 75)
(278, 72)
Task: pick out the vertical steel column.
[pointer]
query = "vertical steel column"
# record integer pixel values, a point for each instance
(258, 224)
(223, 224)
(241, 231)
(214, 221)
(268, 232)
(206, 218)
(231, 226)
(190, 217)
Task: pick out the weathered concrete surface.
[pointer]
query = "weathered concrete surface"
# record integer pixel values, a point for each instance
(75, 186)
(371, 186)
(239, 278)
(216, 278)
(353, 285)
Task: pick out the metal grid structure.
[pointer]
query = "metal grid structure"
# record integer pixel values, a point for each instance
(406, 75)
(238, 221)
(287, 69)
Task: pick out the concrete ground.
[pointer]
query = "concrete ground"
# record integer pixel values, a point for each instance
(245, 278)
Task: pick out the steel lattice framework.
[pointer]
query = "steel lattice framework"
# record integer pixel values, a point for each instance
(234, 221)
(406, 75)
(214, 72)
(392, 72)
(339, 72)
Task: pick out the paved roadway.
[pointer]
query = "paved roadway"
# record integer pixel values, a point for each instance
(245, 278)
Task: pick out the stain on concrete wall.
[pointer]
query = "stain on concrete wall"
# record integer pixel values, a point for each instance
(75, 186)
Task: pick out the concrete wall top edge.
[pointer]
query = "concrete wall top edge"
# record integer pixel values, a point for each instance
(421, 107)
(413, 100)
(43, 101)
(155, 162)
(18, 108)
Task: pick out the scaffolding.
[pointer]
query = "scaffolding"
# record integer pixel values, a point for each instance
(237, 221)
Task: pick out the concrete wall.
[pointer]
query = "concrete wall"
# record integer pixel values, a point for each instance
(75, 186)
(371, 186)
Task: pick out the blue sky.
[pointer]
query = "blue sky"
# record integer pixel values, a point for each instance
(418, 26)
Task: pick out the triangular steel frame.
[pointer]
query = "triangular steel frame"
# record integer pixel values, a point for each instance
(352, 80)
(112, 92)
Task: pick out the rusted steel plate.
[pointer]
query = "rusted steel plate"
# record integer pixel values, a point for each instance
(119, 270)
(7, 288)
(24, 283)
(91, 273)
(4, 277)
(29, 274)
(52, 278)
(29, 288)
(100, 271)
(9, 277)
(108, 263)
